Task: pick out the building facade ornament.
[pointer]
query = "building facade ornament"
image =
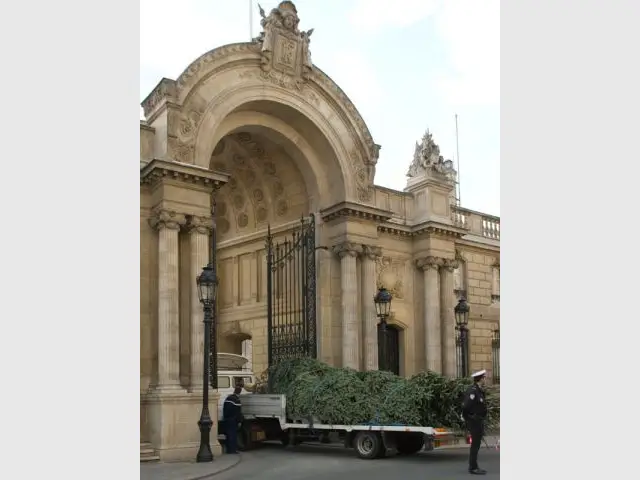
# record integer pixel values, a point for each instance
(426, 263)
(201, 225)
(347, 249)
(371, 252)
(450, 264)
(168, 219)
(427, 159)
(284, 49)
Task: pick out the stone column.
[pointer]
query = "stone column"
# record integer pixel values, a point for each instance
(168, 224)
(369, 315)
(348, 253)
(432, 318)
(199, 231)
(447, 300)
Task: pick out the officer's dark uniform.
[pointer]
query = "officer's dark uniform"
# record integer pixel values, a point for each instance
(474, 412)
(232, 415)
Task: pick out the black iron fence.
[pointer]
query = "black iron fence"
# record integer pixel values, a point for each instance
(495, 349)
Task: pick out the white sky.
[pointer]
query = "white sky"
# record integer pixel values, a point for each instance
(407, 65)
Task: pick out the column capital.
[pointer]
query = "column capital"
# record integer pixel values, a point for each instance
(347, 248)
(371, 252)
(426, 263)
(201, 225)
(450, 264)
(167, 219)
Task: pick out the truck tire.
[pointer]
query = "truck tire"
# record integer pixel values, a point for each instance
(368, 445)
(409, 443)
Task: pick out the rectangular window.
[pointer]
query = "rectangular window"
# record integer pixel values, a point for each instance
(224, 382)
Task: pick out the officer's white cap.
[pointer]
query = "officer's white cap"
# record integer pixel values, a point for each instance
(481, 373)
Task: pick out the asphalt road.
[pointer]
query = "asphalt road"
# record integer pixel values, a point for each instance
(316, 462)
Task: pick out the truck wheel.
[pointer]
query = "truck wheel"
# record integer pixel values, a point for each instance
(368, 445)
(409, 443)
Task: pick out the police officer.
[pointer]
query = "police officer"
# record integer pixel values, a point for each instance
(232, 416)
(474, 412)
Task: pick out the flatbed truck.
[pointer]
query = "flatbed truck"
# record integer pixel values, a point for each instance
(265, 419)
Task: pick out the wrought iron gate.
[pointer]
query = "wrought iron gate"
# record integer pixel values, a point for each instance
(291, 294)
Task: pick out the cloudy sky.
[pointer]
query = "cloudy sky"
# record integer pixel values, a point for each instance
(407, 65)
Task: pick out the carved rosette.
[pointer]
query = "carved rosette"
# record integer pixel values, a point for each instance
(347, 248)
(168, 219)
(427, 263)
(390, 275)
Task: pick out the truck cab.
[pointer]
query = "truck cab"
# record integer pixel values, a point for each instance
(232, 371)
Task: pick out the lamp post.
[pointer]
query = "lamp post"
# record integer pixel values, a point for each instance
(383, 308)
(207, 290)
(461, 311)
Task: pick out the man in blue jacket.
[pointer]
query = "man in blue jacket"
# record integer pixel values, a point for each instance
(232, 416)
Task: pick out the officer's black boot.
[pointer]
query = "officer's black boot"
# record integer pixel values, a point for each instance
(477, 471)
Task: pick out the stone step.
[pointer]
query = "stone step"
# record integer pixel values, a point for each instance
(147, 453)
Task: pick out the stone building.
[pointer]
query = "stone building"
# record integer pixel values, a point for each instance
(274, 139)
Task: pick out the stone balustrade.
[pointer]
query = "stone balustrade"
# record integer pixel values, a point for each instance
(481, 224)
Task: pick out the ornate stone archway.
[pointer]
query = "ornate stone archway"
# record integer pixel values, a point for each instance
(272, 138)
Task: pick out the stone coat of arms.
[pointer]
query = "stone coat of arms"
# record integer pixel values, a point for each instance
(284, 48)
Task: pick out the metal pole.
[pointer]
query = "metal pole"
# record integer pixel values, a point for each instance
(463, 353)
(458, 161)
(213, 338)
(205, 423)
(382, 344)
(250, 20)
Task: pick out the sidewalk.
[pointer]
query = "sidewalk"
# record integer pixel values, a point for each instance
(188, 470)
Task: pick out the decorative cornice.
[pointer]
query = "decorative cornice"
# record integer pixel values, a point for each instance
(356, 210)
(426, 263)
(167, 219)
(347, 248)
(201, 225)
(157, 170)
(145, 126)
(421, 229)
(371, 252)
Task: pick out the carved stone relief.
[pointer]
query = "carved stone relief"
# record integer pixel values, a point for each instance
(390, 275)
(284, 49)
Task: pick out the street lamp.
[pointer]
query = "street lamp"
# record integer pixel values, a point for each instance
(383, 308)
(461, 311)
(207, 289)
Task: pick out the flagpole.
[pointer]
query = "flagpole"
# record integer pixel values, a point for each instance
(458, 160)
(250, 20)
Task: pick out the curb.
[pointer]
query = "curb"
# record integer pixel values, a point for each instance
(225, 469)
